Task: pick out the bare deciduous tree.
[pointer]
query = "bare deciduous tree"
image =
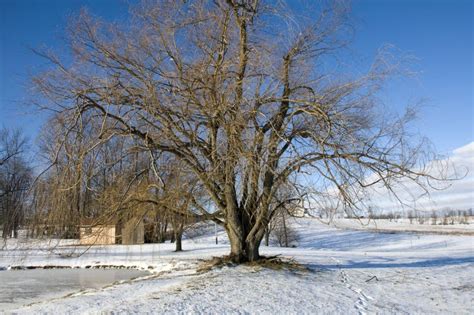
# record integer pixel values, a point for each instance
(174, 198)
(15, 180)
(245, 93)
(12, 144)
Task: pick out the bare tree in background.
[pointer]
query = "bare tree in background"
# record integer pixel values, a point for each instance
(181, 192)
(12, 143)
(246, 93)
(15, 180)
(83, 183)
(177, 197)
(286, 203)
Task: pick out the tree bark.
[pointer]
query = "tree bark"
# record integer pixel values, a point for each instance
(267, 236)
(285, 231)
(244, 250)
(243, 246)
(178, 237)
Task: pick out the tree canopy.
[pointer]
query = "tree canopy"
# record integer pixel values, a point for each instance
(245, 94)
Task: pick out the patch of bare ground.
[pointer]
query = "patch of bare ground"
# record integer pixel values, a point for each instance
(269, 262)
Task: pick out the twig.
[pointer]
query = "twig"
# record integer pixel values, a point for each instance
(374, 277)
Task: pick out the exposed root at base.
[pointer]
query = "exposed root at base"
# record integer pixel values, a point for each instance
(269, 262)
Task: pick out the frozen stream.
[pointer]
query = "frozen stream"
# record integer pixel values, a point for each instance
(20, 287)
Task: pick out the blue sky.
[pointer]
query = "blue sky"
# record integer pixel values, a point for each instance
(438, 32)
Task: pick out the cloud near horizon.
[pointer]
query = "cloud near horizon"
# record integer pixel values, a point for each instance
(456, 194)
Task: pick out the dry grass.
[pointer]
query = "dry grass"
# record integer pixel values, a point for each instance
(270, 262)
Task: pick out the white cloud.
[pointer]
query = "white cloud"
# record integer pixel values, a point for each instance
(457, 194)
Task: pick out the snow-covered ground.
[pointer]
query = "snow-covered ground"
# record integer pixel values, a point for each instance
(404, 225)
(350, 272)
(28, 286)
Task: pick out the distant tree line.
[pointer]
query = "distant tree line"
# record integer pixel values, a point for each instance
(15, 180)
(110, 183)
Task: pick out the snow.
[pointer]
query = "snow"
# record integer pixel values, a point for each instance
(26, 286)
(403, 225)
(350, 272)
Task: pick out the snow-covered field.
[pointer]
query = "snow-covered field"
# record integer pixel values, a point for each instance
(404, 225)
(350, 272)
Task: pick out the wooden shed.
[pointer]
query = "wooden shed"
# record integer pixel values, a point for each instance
(94, 233)
(97, 234)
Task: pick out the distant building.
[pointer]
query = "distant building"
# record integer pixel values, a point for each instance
(128, 233)
(298, 212)
(97, 234)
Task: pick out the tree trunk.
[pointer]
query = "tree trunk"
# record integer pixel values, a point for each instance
(243, 248)
(285, 231)
(162, 228)
(267, 236)
(178, 237)
(244, 251)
